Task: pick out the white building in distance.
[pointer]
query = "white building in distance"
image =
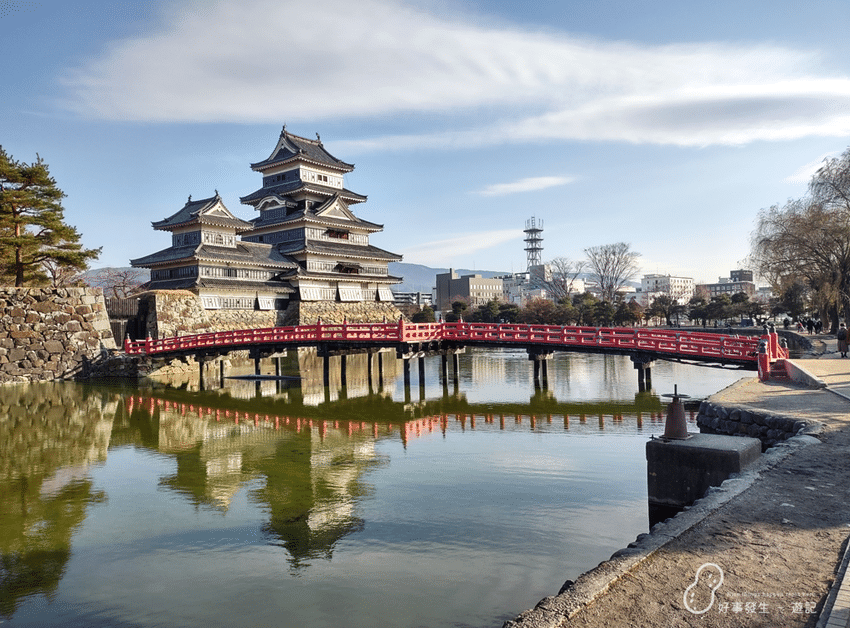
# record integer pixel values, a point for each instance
(681, 289)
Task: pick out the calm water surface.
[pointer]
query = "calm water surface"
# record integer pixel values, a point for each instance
(155, 506)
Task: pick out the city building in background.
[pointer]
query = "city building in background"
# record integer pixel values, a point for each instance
(738, 281)
(681, 289)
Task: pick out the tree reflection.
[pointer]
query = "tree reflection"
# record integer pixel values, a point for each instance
(49, 435)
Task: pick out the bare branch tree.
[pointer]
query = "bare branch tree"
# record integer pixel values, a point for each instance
(809, 239)
(612, 266)
(558, 277)
(61, 275)
(119, 282)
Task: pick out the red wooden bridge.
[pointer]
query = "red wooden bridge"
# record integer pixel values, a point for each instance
(748, 352)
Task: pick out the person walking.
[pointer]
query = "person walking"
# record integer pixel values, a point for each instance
(842, 340)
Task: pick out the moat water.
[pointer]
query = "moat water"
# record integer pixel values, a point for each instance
(286, 504)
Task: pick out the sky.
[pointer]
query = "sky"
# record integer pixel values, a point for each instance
(665, 125)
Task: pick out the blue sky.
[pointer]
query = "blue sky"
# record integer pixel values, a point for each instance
(667, 125)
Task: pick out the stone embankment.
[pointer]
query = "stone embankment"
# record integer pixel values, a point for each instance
(51, 333)
(770, 429)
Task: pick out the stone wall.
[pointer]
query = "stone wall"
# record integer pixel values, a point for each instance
(308, 312)
(51, 333)
(179, 313)
(769, 429)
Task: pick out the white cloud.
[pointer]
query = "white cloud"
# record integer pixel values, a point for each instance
(529, 184)
(436, 252)
(804, 173)
(254, 61)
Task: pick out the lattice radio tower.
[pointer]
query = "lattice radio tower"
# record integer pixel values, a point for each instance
(533, 242)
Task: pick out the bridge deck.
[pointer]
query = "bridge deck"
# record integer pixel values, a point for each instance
(656, 343)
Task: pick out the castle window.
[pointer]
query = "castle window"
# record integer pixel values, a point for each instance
(337, 233)
(348, 269)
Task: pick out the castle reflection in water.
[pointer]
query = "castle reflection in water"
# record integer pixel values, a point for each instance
(302, 456)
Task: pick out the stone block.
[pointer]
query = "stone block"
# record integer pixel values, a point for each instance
(17, 354)
(53, 346)
(45, 307)
(680, 471)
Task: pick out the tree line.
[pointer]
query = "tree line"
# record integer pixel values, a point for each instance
(586, 309)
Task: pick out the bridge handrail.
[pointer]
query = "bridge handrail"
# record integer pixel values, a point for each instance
(664, 341)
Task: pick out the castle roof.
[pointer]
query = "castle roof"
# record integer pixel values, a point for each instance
(208, 211)
(292, 148)
(247, 253)
(241, 286)
(328, 214)
(321, 247)
(286, 189)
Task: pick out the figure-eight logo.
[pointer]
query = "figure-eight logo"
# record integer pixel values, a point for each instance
(699, 596)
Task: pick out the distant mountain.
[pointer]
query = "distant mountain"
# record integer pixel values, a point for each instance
(95, 276)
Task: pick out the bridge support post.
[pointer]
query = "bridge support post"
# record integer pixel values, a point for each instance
(444, 368)
(540, 360)
(406, 372)
(343, 372)
(326, 370)
(643, 365)
(221, 372)
(456, 367)
(421, 372)
(369, 367)
(380, 371)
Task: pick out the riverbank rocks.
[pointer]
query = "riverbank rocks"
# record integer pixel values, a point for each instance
(769, 429)
(51, 333)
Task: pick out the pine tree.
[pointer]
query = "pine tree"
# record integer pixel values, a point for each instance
(32, 227)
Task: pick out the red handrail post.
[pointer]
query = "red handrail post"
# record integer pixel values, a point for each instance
(148, 342)
(401, 328)
(127, 344)
(764, 358)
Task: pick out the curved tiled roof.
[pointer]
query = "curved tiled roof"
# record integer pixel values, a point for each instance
(241, 285)
(257, 222)
(295, 148)
(285, 189)
(250, 253)
(202, 212)
(342, 250)
(305, 275)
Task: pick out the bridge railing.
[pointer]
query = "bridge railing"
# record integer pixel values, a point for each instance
(655, 340)
(307, 334)
(665, 341)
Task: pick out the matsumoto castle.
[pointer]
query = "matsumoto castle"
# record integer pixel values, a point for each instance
(306, 244)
